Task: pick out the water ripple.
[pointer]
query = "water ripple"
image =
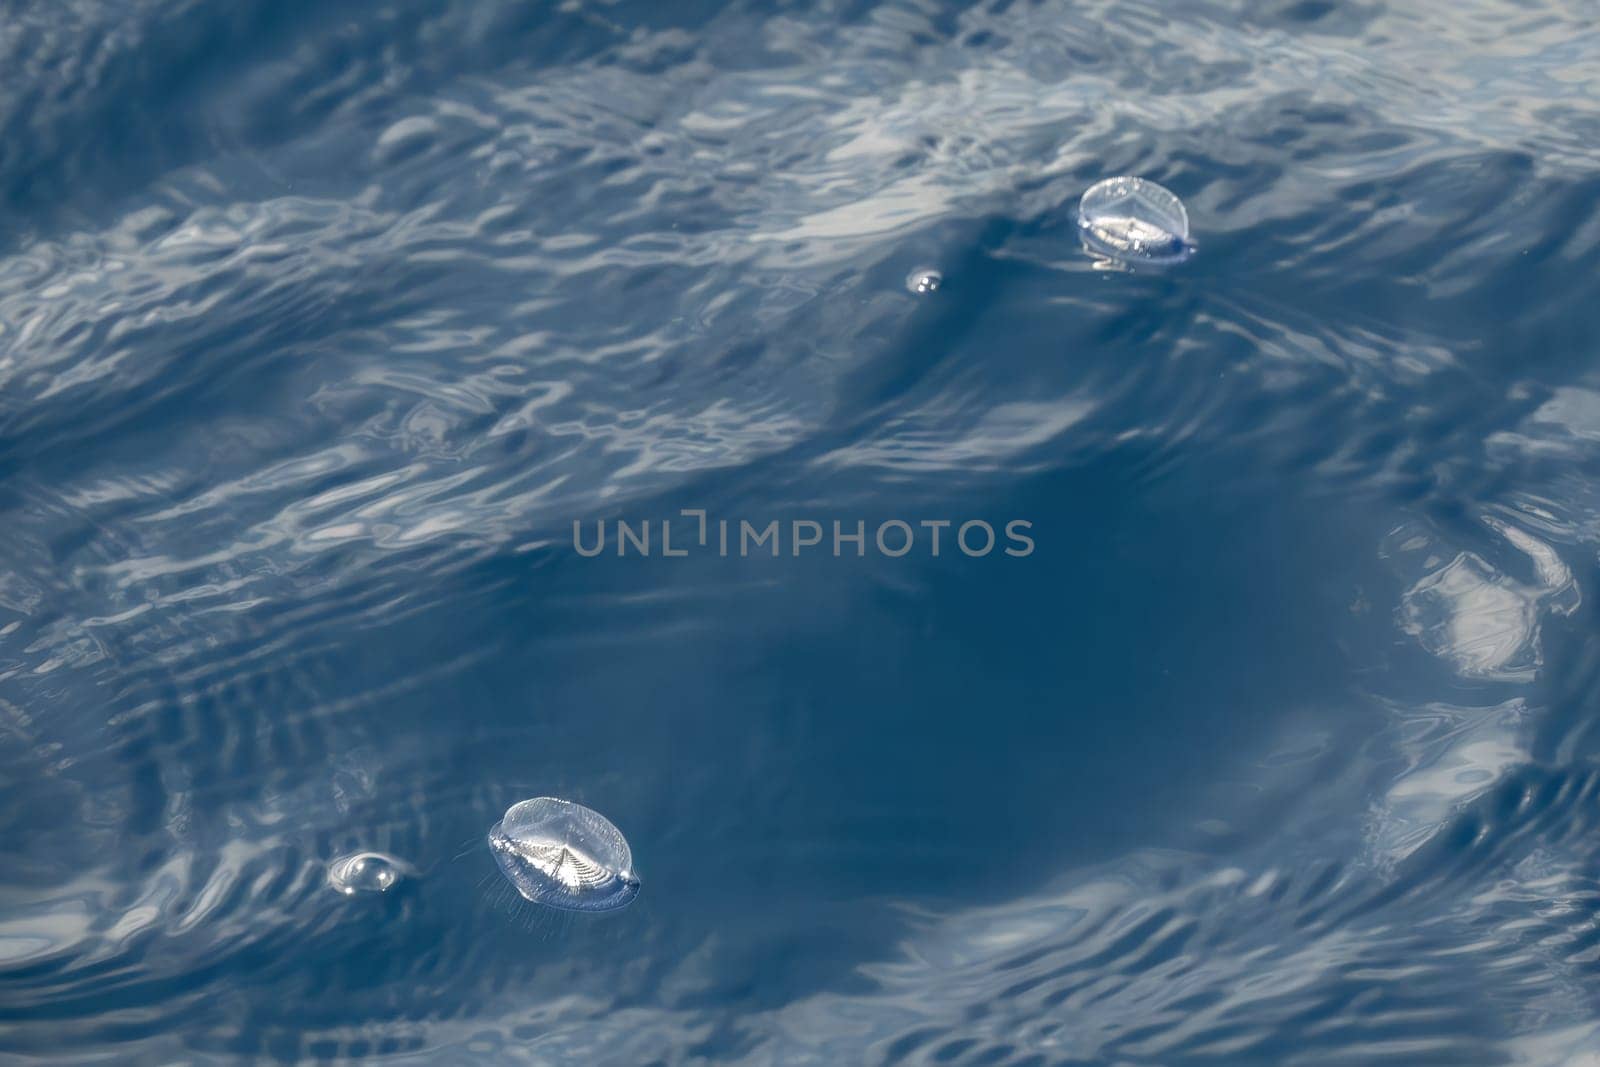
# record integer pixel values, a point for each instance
(319, 328)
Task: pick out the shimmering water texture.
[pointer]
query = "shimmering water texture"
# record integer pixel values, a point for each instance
(321, 324)
(1134, 223)
(564, 856)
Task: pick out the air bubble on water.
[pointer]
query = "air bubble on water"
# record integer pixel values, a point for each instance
(1133, 221)
(924, 280)
(366, 872)
(564, 855)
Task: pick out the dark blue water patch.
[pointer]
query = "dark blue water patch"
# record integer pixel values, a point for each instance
(940, 665)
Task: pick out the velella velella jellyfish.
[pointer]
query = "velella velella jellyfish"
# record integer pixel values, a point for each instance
(366, 872)
(564, 855)
(1134, 222)
(924, 280)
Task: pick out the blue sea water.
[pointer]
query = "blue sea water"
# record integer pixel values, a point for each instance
(322, 324)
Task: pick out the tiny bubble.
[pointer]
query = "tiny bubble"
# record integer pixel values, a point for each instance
(924, 280)
(365, 872)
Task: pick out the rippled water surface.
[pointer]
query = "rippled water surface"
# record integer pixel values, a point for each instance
(321, 325)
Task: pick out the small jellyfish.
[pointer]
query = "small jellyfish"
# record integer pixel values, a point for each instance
(924, 280)
(366, 872)
(1134, 222)
(562, 854)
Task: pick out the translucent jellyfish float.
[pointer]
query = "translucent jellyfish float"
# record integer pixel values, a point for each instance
(563, 855)
(366, 872)
(1135, 223)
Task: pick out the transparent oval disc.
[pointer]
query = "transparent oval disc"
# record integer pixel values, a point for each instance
(564, 855)
(1134, 221)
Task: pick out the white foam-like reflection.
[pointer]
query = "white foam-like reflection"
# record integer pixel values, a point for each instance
(1481, 619)
(1452, 754)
